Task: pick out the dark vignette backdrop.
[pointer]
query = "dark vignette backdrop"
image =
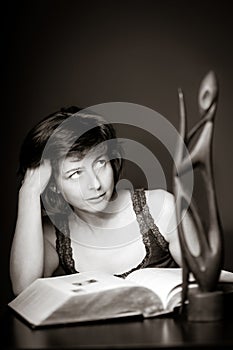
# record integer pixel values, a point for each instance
(59, 53)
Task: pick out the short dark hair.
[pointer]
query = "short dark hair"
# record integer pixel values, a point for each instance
(67, 132)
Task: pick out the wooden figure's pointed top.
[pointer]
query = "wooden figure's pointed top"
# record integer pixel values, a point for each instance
(208, 92)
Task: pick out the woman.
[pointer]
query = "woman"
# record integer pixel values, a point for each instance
(70, 214)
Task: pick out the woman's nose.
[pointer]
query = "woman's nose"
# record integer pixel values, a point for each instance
(93, 181)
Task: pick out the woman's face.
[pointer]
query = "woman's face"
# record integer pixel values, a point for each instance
(87, 184)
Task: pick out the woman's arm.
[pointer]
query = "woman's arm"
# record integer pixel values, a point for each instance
(27, 251)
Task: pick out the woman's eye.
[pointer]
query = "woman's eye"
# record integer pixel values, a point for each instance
(100, 163)
(75, 175)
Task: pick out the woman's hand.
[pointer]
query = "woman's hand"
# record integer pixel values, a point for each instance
(37, 179)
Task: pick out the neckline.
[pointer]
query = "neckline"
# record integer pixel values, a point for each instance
(138, 199)
(106, 247)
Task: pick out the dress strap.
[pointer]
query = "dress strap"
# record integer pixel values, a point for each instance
(63, 245)
(145, 220)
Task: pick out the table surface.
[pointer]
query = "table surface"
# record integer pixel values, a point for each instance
(157, 333)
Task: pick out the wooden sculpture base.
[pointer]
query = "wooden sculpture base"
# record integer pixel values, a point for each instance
(205, 306)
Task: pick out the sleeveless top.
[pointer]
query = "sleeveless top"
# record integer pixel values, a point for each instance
(157, 252)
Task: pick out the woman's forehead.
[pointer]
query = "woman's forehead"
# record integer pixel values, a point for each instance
(96, 150)
(89, 155)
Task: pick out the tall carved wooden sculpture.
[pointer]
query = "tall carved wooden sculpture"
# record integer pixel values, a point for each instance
(206, 302)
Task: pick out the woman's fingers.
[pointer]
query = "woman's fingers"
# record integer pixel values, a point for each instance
(38, 178)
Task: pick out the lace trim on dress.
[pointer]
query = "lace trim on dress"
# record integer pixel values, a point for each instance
(146, 220)
(63, 246)
(146, 224)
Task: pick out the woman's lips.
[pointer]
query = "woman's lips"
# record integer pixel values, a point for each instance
(97, 198)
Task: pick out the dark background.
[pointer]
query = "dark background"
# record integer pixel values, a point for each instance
(60, 53)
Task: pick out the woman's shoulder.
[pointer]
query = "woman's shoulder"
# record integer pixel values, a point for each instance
(160, 197)
(162, 208)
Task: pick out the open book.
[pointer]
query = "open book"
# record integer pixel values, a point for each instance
(94, 296)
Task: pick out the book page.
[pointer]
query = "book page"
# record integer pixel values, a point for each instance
(87, 282)
(159, 280)
(83, 297)
(45, 295)
(167, 282)
(112, 303)
(38, 301)
(99, 295)
(226, 276)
